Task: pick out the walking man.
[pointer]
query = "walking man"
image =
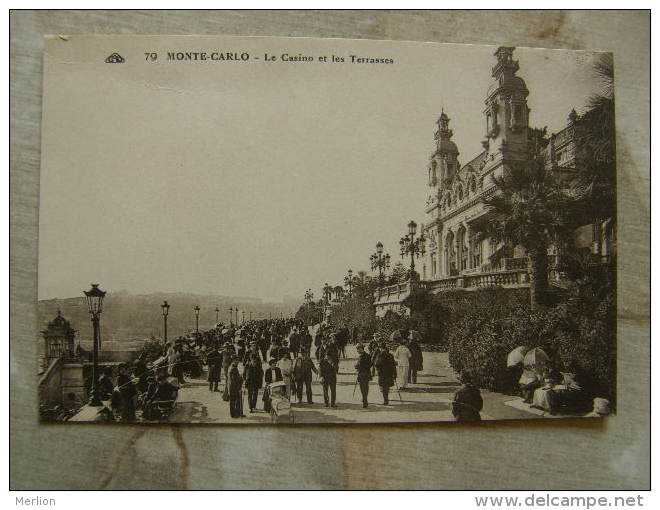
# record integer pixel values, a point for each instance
(417, 359)
(386, 367)
(302, 373)
(214, 361)
(263, 346)
(329, 380)
(363, 367)
(253, 375)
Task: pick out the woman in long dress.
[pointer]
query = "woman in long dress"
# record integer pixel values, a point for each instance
(286, 366)
(402, 357)
(235, 385)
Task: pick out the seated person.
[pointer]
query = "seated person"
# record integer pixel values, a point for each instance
(527, 383)
(105, 385)
(544, 397)
(165, 393)
(272, 374)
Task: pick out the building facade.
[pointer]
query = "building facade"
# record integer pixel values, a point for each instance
(456, 258)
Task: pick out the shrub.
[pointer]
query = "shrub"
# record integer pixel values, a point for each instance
(578, 334)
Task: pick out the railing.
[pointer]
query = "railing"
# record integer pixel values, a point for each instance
(50, 383)
(446, 283)
(396, 290)
(505, 278)
(515, 275)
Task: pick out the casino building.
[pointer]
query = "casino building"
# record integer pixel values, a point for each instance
(455, 259)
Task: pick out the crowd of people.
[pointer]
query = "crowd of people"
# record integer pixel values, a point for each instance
(242, 361)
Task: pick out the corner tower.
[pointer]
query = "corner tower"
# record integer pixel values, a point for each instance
(506, 114)
(444, 161)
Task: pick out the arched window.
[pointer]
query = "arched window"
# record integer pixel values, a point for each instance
(450, 255)
(462, 252)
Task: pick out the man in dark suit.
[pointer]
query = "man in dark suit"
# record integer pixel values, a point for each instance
(263, 345)
(253, 376)
(417, 359)
(363, 367)
(386, 367)
(214, 361)
(329, 348)
(302, 374)
(329, 380)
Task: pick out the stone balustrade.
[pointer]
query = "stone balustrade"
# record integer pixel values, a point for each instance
(392, 292)
(502, 279)
(515, 276)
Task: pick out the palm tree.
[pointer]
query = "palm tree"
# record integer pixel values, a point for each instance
(596, 140)
(531, 210)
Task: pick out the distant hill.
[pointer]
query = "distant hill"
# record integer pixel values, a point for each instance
(130, 319)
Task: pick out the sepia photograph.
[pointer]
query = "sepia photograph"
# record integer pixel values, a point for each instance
(269, 230)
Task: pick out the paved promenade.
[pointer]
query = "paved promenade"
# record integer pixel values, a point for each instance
(427, 401)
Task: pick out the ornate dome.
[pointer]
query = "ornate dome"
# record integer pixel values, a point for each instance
(443, 136)
(504, 73)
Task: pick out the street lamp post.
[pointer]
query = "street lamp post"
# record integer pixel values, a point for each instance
(349, 279)
(231, 315)
(243, 315)
(95, 305)
(236, 313)
(217, 315)
(412, 246)
(166, 310)
(380, 261)
(197, 309)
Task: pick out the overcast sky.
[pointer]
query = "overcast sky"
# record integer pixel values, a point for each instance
(254, 179)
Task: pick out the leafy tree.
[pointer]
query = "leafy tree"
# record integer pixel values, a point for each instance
(310, 313)
(399, 274)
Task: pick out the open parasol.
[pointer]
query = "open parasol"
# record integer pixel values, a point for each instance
(537, 360)
(516, 356)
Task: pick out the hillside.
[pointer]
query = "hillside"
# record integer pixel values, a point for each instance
(129, 319)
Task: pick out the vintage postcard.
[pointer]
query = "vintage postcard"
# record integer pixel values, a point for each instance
(254, 230)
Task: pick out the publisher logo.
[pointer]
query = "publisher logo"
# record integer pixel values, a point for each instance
(115, 58)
